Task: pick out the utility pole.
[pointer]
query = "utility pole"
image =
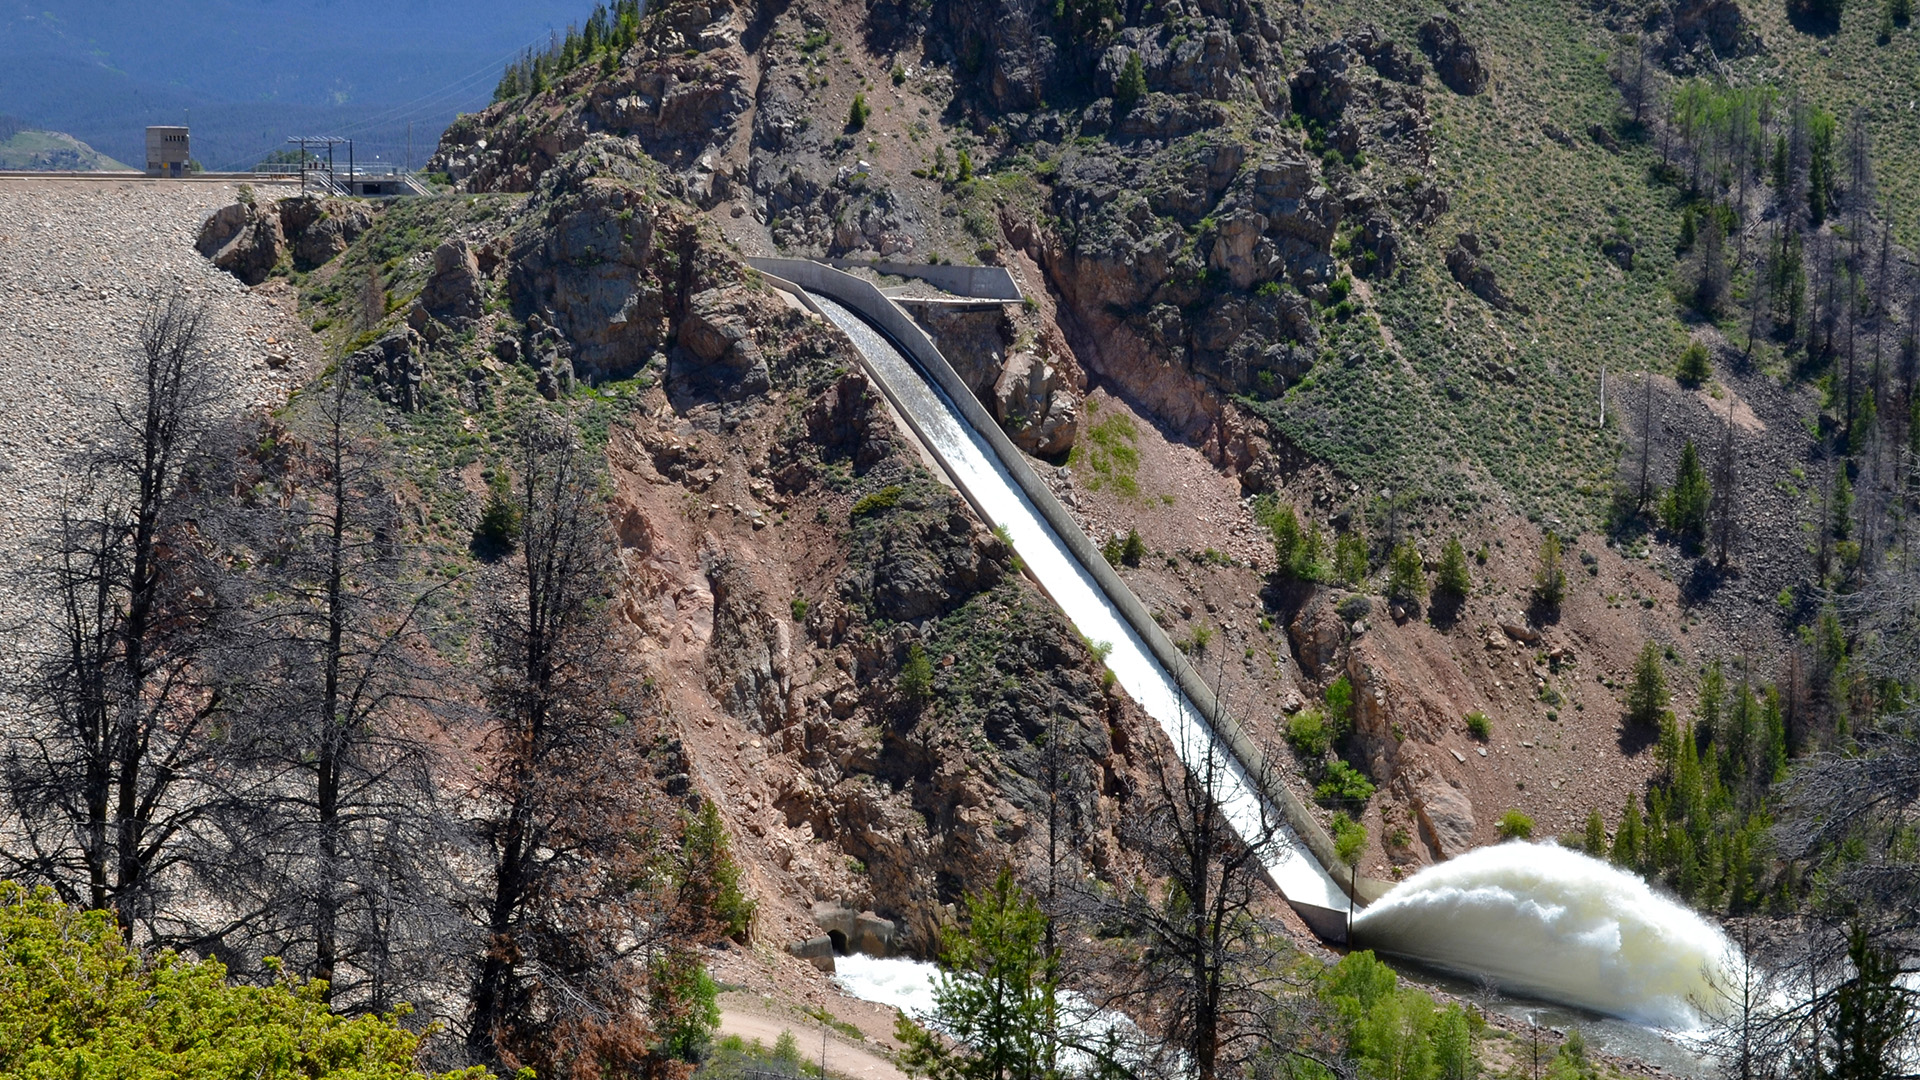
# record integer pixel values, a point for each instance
(1603, 395)
(409, 146)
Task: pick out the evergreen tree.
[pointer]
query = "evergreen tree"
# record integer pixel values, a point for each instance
(1406, 578)
(1647, 698)
(1685, 508)
(1453, 579)
(1870, 1017)
(1350, 558)
(1695, 367)
(1131, 86)
(1549, 577)
(1596, 838)
(1626, 841)
(994, 999)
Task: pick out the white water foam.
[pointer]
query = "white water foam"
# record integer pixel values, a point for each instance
(1550, 922)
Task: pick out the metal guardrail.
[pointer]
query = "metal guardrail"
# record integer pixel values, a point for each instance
(878, 308)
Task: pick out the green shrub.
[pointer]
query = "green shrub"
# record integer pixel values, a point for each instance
(1514, 825)
(1309, 735)
(1479, 726)
(1349, 836)
(885, 499)
(75, 1000)
(963, 171)
(1134, 549)
(1343, 784)
(857, 113)
(899, 75)
(800, 607)
(1339, 699)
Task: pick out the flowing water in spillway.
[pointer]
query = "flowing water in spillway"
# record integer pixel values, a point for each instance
(1550, 922)
(977, 469)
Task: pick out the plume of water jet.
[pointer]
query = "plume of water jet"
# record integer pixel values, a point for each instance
(1549, 922)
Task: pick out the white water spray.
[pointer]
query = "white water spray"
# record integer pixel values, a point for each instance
(1550, 922)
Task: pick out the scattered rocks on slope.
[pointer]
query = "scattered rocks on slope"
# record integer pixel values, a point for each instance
(1455, 61)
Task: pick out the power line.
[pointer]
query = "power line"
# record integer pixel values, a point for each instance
(427, 102)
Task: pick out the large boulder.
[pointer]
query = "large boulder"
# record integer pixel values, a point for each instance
(1034, 406)
(243, 240)
(453, 290)
(1455, 60)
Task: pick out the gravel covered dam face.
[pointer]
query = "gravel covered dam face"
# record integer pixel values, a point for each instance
(1535, 919)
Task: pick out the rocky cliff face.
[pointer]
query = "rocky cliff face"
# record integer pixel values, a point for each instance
(877, 698)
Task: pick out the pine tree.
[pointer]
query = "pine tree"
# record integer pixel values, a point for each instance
(1647, 698)
(1596, 839)
(1406, 579)
(1695, 366)
(1549, 577)
(1131, 86)
(995, 997)
(1626, 840)
(1686, 506)
(1870, 1017)
(1453, 579)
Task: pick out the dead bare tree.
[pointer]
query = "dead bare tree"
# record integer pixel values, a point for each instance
(575, 916)
(1200, 956)
(113, 785)
(337, 702)
(1725, 497)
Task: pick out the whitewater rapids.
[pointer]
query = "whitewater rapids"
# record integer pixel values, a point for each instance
(1549, 922)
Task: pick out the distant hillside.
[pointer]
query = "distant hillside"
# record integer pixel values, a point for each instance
(50, 150)
(248, 73)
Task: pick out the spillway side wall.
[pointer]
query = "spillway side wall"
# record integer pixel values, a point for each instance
(870, 302)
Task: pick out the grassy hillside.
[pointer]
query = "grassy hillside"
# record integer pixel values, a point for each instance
(52, 150)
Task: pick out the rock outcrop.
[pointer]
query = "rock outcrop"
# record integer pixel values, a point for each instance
(393, 366)
(319, 230)
(1455, 60)
(1465, 264)
(244, 239)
